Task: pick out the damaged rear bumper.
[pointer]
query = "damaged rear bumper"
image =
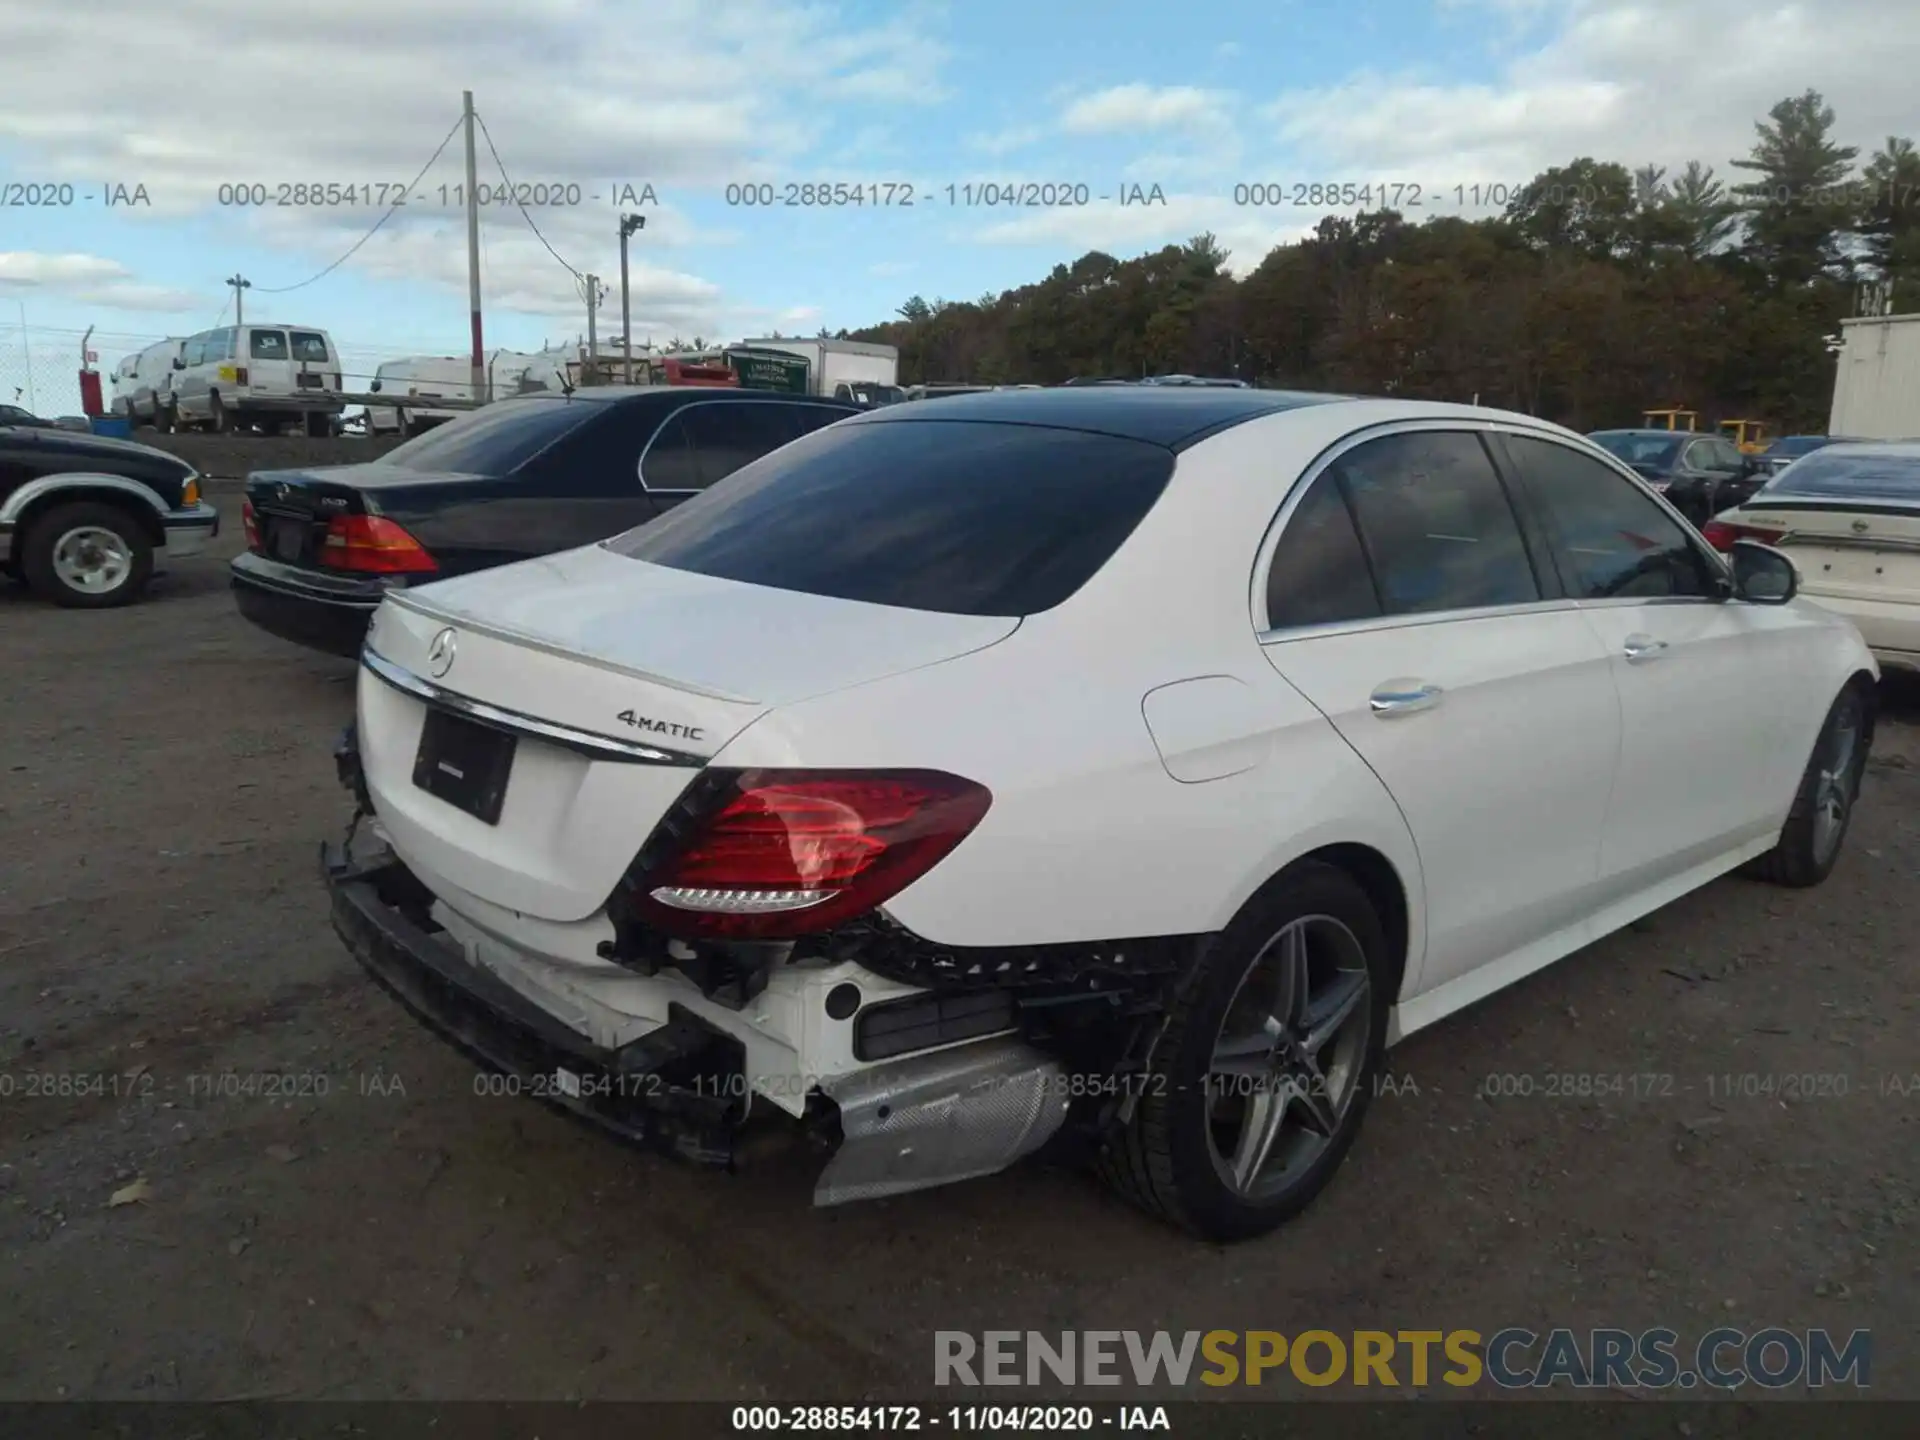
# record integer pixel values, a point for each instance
(907, 1124)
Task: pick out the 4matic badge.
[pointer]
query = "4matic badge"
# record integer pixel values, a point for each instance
(660, 727)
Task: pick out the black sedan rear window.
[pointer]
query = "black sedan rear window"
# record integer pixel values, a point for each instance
(1824, 475)
(493, 440)
(960, 517)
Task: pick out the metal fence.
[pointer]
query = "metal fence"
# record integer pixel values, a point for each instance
(40, 365)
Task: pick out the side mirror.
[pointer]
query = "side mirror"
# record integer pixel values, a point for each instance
(178, 363)
(1763, 575)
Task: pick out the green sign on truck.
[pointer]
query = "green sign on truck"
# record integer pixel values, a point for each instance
(770, 370)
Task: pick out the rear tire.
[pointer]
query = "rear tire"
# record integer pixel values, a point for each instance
(87, 556)
(1816, 830)
(218, 420)
(1327, 1029)
(163, 420)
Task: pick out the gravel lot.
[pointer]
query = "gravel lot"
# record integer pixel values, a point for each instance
(167, 785)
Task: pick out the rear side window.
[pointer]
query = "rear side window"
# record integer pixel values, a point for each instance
(668, 464)
(958, 517)
(728, 435)
(1319, 574)
(1436, 523)
(268, 345)
(493, 440)
(1608, 538)
(309, 345)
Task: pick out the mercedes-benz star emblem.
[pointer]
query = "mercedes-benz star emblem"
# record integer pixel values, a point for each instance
(440, 653)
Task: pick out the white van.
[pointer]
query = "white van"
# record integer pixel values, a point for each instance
(258, 375)
(142, 380)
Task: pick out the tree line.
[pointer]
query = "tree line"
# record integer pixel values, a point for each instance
(1599, 292)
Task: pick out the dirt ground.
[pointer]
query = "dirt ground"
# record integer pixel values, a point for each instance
(388, 1233)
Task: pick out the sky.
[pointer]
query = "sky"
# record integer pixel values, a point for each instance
(128, 149)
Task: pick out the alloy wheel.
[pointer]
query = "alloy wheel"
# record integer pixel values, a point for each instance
(1288, 1057)
(1833, 786)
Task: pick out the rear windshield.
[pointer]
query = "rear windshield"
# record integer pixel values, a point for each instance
(1638, 449)
(493, 440)
(1795, 445)
(309, 345)
(1824, 475)
(958, 517)
(267, 345)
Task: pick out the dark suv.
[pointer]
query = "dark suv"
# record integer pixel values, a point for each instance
(506, 482)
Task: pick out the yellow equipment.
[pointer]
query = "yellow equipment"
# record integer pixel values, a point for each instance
(1749, 435)
(1672, 420)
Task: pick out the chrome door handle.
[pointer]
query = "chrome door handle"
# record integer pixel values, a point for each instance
(1643, 647)
(1400, 699)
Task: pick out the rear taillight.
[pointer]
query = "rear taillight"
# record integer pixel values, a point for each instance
(240, 375)
(250, 525)
(373, 545)
(1722, 533)
(777, 853)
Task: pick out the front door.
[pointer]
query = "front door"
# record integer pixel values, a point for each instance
(1405, 604)
(1705, 761)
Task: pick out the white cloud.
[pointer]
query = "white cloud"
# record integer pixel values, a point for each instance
(1005, 142)
(1619, 80)
(1128, 109)
(688, 97)
(93, 279)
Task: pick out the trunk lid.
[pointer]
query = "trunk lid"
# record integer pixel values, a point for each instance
(292, 508)
(1868, 551)
(612, 649)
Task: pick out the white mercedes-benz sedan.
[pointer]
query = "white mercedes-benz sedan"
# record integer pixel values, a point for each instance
(1114, 770)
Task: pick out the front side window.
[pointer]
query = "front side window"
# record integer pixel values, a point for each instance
(1319, 574)
(267, 345)
(1436, 523)
(195, 352)
(956, 517)
(1608, 538)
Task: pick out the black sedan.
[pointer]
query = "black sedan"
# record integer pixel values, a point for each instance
(1701, 475)
(515, 479)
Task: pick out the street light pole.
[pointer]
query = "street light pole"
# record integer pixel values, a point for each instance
(478, 360)
(628, 224)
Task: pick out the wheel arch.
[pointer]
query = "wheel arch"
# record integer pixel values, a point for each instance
(37, 497)
(1382, 883)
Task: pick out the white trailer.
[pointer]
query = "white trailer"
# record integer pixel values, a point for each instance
(1876, 384)
(419, 386)
(856, 370)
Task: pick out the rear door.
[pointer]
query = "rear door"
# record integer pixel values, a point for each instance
(1404, 601)
(268, 361)
(1706, 684)
(313, 362)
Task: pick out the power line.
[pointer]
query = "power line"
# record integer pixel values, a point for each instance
(398, 204)
(579, 279)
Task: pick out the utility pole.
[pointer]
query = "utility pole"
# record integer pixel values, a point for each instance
(592, 374)
(239, 283)
(473, 252)
(628, 224)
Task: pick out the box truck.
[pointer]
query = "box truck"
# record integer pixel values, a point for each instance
(856, 370)
(1876, 383)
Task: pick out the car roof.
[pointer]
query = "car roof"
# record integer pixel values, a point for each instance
(661, 394)
(85, 442)
(1663, 433)
(1171, 415)
(1901, 449)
